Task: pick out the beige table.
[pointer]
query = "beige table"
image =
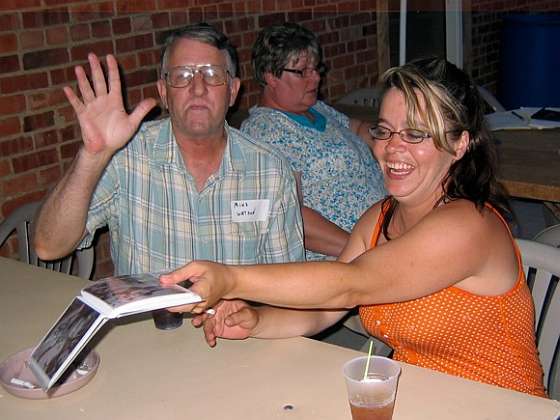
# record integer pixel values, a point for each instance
(150, 374)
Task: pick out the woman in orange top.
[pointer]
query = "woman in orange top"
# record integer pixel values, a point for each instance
(433, 267)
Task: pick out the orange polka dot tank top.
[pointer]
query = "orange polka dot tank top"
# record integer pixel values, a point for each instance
(484, 338)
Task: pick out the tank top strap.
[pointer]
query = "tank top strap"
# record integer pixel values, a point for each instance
(377, 229)
(515, 247)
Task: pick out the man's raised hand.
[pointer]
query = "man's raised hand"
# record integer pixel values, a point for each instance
(105, 124)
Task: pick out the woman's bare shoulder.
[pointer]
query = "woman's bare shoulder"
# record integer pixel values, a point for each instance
(469, 225)
(466, 212)
(482, 239)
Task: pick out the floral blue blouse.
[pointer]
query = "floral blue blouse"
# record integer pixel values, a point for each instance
(340, 178)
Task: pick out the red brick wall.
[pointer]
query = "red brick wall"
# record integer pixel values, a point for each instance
(41, 41)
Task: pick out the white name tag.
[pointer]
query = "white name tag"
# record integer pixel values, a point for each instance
(249, 210)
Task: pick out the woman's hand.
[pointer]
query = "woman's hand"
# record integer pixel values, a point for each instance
(211, 281)
(234, 320)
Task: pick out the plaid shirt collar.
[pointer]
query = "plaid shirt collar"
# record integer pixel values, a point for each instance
(165, 151)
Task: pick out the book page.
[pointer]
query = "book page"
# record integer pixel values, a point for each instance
(63, 342)
(130, 294)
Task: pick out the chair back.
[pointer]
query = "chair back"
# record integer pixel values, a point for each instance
(541, 264)
(21, 220)
(549, 235)
(490, 99)
(363, 97)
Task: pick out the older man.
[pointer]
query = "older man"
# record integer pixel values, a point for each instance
(184, 187)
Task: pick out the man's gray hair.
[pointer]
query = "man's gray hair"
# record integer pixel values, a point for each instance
(207, 34)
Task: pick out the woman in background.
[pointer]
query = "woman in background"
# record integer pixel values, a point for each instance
(338, 176)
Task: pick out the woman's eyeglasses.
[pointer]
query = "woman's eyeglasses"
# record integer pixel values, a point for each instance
(308, 71)
(409, 135)
(182, 76)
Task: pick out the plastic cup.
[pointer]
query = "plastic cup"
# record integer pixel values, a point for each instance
(374, 397)
(165, 320)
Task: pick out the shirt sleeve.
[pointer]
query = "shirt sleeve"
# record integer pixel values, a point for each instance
(103, 203)
(274, 128)
(284, 239)
(332, 114)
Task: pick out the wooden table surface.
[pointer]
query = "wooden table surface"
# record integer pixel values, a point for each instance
(529, 163)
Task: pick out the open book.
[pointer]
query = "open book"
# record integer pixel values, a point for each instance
(113, 297)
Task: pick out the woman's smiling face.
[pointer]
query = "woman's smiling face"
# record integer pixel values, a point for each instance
(413, 173)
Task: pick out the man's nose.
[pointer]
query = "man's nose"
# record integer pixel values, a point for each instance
(198, 85)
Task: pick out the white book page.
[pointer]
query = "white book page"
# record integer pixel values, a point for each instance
(124, 295)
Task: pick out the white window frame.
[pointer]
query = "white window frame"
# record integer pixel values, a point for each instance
(453, 32)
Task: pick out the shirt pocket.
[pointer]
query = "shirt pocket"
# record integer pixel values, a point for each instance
(245, 243)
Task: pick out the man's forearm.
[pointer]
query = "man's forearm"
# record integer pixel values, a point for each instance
(60, 224)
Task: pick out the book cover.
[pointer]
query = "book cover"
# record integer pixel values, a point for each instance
(110, 298)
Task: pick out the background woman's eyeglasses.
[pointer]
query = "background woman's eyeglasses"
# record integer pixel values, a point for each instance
(409, 135)
(182, 76)
(308, 71)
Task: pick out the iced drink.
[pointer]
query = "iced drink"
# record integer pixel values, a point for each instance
(384, 412)
(372, 398)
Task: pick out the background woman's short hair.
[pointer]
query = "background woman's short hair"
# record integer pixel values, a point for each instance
(277, 45)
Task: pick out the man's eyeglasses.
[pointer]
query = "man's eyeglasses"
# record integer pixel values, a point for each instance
(182, 76)
(308, 71)
(409, 135)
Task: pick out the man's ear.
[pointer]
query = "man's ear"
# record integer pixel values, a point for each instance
(162, 90)
(234, 90)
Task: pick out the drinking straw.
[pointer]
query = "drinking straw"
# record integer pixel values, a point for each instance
(368, 359)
